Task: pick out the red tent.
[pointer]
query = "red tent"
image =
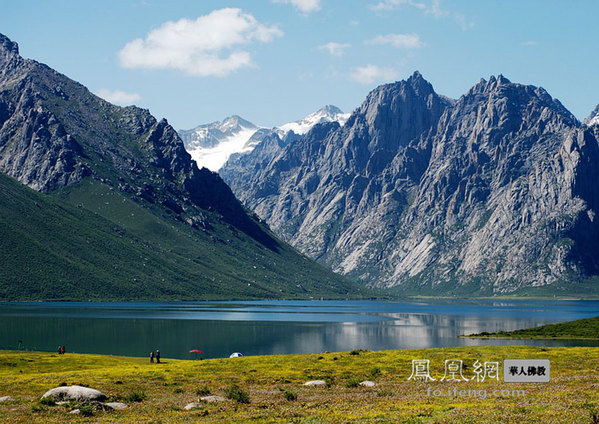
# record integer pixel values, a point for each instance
(196, 351)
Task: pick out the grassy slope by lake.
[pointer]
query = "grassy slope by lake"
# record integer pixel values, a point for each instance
(89, 242)
(582, 329)
(571, 396)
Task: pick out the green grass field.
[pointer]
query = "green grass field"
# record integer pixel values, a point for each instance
(274, 385)
(582, 329)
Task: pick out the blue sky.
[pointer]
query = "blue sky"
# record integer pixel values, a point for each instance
(274, 61)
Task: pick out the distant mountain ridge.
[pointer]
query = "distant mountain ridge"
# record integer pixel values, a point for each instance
(491, 194)
(187, 236)
(212, 144)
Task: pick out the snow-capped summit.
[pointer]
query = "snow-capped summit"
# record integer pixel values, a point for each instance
(328, 113)
(210, 145)
(593, 118)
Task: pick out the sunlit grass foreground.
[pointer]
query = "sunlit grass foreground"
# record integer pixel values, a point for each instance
(274, 384)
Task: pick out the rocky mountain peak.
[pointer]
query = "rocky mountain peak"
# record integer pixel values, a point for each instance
(329, 110)
(234, 122)
(397, 113)
(390, 95)
(512, 106)
(7, 45)
(420, 86)
(9, 58)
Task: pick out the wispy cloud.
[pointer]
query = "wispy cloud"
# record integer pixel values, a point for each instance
(432, 8)
(400, 41)
(435, 9)
(530, 43)
(463, 21)
(371, 73)
(207, 46)
(334, 49)
(304, 6)
(394, 4)
(118, 97)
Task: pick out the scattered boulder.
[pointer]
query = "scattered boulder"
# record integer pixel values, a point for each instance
(77, 393)
(315, 383)
(116, 405)
(213, 398)
(75, 411)
(368, 383)
(192, 405)
(6, 398)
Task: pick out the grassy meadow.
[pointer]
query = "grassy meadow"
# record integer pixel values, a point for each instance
(272, 389)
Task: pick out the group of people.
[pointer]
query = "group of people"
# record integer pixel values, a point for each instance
(61, 350)
(155, 355)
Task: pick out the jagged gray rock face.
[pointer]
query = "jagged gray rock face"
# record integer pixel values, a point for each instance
(54, 133)
(268, 145)
(488, 194)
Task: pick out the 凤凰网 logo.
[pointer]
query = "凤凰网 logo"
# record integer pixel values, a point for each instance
(514, 371)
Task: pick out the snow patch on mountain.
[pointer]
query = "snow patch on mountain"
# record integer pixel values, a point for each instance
(593, 121)
(215, 157)
(328, 113)
(593, 118)
(210, 145)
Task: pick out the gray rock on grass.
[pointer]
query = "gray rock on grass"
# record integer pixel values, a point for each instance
(76, 393)
(315, 383)
(192, 405)
(116, 405)
(368, 383)
(213, 398)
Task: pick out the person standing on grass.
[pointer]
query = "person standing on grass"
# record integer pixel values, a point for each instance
(151, 357)
(157, 356)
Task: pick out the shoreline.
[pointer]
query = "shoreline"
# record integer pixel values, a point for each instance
(315, 298)
(468, 336)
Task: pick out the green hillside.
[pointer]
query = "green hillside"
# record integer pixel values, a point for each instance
(587, 328)
(90, 242)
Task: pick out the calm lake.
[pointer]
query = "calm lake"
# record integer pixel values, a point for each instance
(274, 327)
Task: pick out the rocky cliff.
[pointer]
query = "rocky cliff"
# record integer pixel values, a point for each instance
(492, 193)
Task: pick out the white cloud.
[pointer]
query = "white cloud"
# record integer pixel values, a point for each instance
(530, 43)
(401, 41)
(432, 8)
(435, 9)
(206, 46)
(394, 4)
(118, 97)
(304, 6)
(371, 73)
(334, 49)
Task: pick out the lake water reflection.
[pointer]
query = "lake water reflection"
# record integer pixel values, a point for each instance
(274, 327)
